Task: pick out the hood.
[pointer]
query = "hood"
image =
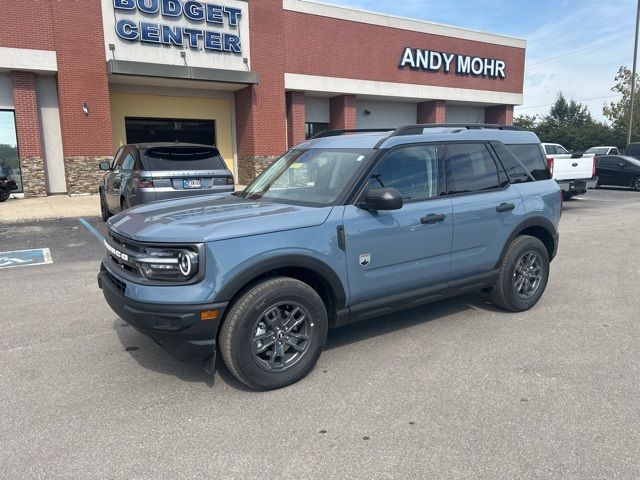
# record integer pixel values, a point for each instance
(212, 217)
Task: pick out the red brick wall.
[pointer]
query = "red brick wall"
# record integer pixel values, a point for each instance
(76, 34)
(345, 49)
(82, 78)
(502, 114)
(296, 116)
(432, 112)
(27, 117)
(26, 24)
(342, 111)
(261, 131)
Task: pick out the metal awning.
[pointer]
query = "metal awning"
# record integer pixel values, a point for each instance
(181, 72)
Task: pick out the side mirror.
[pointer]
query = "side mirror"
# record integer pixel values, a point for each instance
(382, 199)
(105, 166)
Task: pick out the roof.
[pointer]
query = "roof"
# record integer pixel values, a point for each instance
(169, 144)
(429, 135)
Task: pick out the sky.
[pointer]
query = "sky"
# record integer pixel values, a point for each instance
(574, 46)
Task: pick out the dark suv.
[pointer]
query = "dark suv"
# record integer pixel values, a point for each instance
(337, 230)
(143, 173)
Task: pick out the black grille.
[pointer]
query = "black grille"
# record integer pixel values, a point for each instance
(125, 243)
(119, 284)
(126, 246)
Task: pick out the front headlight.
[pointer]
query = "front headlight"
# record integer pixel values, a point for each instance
(169, 264)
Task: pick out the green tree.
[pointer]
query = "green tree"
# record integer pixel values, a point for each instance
(567, 114)
(528, 122)
(570, 124)
(618, 112)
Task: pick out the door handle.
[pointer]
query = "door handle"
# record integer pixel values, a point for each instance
(505, 207)
(433, 218)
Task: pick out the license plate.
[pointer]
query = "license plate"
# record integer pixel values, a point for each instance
(191, 183)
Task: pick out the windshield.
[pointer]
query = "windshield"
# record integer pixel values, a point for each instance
(310, 177)
(184, 158)
(598, 150)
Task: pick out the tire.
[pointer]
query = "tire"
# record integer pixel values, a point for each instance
(252, 316)
(636, 184)
(104, 210)
(566, 195)
(4, 196)
(506, 293)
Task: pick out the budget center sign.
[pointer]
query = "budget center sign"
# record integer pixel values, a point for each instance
(213, 35)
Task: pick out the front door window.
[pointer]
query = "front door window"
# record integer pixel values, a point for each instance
(9, 159)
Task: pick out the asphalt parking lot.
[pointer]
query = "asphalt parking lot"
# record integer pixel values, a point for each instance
(454, 390)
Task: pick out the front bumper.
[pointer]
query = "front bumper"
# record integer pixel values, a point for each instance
(577, 186)
(177, 328)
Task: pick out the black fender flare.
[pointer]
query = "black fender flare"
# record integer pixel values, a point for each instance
(284, 261)
(537, 221)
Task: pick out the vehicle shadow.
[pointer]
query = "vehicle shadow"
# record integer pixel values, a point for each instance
(151, 356)
(375, 327)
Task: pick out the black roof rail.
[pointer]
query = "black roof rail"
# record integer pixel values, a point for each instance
(417, 129)
(336, 133)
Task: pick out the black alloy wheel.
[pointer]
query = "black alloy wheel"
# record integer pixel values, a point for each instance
(273, 333)
(527, 276)
(282, 336)
(523, 275)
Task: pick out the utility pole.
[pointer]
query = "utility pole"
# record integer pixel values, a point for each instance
(633, 74)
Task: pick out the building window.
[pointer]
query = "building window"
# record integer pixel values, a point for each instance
(146, 130)
(311, 129)
(9, 158)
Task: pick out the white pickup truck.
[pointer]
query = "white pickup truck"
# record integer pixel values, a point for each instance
(574, 172)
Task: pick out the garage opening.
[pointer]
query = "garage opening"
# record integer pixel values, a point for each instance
(144, 130)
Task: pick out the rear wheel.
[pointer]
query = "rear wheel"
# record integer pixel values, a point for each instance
(523, 275)
(636, 184)
(4, 195)
(104, 210)
(274, 333)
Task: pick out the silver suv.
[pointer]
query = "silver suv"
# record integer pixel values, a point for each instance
(143, 173)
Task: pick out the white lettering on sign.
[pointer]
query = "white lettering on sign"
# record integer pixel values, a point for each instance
(432, 61)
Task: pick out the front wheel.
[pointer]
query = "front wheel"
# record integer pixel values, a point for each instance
(523, 275)
(636, 184)
(274, 333)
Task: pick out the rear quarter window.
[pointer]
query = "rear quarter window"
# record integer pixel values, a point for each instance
(633, 149)
(184, 158)
(531, 156)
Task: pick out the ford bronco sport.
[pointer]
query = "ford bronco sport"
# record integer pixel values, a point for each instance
(339, 229)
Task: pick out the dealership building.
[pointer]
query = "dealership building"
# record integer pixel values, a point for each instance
(79, 79)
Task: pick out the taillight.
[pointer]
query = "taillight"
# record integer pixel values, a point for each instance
(550, 165)
(593, 170)
(561, 202)
(144, 182)
(229, 180)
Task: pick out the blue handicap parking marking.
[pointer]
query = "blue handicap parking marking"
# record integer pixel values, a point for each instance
(25, 258)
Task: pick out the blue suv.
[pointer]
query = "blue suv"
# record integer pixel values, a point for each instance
(341, 228)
